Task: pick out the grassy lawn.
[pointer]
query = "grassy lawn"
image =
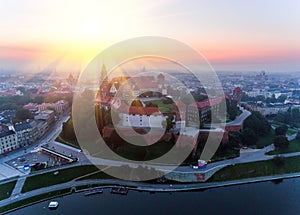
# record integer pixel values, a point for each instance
(98, 175)
(72, 143)
(291, 131)
(34, 199)
(132, 152)
(49, 179)
(265, 140)
(293, 147)
(6, 189)
(164, 108)
(228, 154)
(256, 169)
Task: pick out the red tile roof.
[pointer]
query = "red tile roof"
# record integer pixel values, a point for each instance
(207, 102)
(237, 89)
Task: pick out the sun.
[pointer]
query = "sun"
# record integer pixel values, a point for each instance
(92, 28)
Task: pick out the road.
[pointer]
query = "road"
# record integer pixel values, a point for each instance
(248, 155)
(141, 186)
(240, 119)
(237, 121)
(8, 171)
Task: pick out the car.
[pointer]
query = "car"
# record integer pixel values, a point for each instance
(53, 205)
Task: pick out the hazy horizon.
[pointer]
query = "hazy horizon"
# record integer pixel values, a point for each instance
(232, 35)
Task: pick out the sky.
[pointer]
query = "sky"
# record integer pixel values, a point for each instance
(233, 35)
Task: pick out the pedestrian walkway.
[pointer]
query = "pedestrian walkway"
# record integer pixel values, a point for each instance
(8, 172)
(19, 185)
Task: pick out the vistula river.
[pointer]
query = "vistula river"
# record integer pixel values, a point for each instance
(255, 198)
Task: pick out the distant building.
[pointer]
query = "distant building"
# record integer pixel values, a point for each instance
(134, 116)
(32, 107)
(46, 116)
(7, 116)
(261, 77)
(237, 95)
(59, 107)
(42, 127)
(8, 140)
(201, 112)
(27, 132)
(130, 85)
(180, 110)
(11, 93)
(71, 80)
(266, 110)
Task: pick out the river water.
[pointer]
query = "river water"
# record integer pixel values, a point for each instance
(256, 198)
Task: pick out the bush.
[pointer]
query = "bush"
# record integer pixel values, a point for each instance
(281, 142)
(281, 130)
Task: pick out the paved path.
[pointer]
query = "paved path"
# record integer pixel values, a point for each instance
(237, 121)
(19, 185)
(246, 156)
(240, 119)
(7, 172)
(142, 186)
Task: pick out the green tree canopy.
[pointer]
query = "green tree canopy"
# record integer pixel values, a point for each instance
(298, 136)
(248, 137)
(258, 123)
(281, 142)
(23, 114)
(281, 130)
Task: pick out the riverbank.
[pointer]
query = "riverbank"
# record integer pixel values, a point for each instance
(39, 195)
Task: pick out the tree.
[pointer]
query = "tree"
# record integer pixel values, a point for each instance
(23, 114)
(258, 123)
(68, 131)
(271, 100)
(137, 103)
(188, 99)
(150, 104)
(248, 137)
(260, 98)
(281, 130)
(298, 136)
(295, 114)
(234, 138)
(167, 124)
(232, 109)
(246, 98)
(198, 97)
(281, 98)
(38, 99)
(281, 142)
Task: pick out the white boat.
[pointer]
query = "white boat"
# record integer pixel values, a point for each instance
(53, 205)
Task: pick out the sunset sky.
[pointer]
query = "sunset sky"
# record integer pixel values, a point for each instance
(233, 35)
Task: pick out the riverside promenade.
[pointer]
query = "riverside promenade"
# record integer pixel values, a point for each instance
(140, 186)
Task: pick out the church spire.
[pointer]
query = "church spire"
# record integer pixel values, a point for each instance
(71, 79)
(104, 76)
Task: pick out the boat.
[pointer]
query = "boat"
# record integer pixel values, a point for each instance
(93, 191)
(119, 190)
(53, 205)
(201, 165)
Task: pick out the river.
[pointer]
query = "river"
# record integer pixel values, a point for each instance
(255, 198)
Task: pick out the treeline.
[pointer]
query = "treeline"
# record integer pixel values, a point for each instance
(17, 102)
(291, 117)
(255, 126)
(272, 99)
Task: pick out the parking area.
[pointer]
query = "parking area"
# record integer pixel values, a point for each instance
(33, 158)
